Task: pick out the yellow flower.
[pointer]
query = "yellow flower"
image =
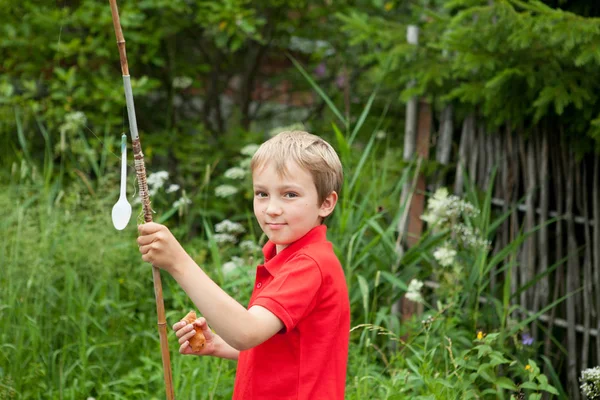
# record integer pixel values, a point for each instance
(388, 6)
(480, 335)
(528, 367)
(222, 25)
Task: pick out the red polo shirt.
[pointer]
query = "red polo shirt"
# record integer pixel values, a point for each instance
(305, 287)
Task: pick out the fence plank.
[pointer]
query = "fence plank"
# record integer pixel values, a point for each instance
(542, 288)
(596, 247)
(444, 143)
(572, 272)
(588, 306)
(465, 141)
(558, 175)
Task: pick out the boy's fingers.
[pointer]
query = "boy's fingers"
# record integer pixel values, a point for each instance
(202, 324)
(185, 329)
(149, 228)
(186, 337)
(145, 239)
(184, 346)
(145, 249)
(178, 325)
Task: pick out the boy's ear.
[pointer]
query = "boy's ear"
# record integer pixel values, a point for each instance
(328, 204)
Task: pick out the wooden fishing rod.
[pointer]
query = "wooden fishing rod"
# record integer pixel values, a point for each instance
(140, 171)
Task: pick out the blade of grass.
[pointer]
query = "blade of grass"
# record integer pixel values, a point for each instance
(321, 93)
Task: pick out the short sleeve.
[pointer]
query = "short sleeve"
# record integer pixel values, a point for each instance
(292, 292)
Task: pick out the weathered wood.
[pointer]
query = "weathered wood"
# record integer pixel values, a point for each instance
(417, 203)
(498, 191)
(542, 288)
(572, 270)
(482, 157)
(463, 151)
(588, 304)
(524, 263)
(406, 197)
(577, 219)
(410, 128)
(444, 142)
(558, 177)
(530, 243)
(490, 159)
(513, 171)
(596, 247)
(473, 154)
(506, 187)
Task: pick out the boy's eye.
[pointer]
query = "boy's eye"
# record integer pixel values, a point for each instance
(290, 195)
(260, 194)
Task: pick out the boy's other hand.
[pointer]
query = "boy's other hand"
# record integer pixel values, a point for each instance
(159, 247)
(185, 332)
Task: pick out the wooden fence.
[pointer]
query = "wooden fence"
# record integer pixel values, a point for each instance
(539, 177)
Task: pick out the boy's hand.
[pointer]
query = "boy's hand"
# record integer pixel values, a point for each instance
(185, 332)
(159, 247)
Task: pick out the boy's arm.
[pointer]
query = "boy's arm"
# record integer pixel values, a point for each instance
(223, 350)
(238, 327)
(242, 329)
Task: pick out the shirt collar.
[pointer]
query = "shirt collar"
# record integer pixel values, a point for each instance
(274, 260)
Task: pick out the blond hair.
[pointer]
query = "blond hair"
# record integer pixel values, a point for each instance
(310, 152)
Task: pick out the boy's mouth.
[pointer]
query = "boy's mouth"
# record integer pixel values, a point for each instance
(273, 225)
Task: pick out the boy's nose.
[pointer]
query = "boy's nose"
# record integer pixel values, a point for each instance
(273, 209)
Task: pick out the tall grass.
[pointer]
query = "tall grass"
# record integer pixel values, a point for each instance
(77, 305)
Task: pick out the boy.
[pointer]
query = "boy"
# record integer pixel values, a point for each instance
(292, 341)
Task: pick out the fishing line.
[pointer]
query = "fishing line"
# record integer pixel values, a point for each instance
(103, 144)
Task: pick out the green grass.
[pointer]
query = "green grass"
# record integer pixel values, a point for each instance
(78, 312)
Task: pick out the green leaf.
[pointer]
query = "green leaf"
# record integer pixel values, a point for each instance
(364, 290)
(506, 383)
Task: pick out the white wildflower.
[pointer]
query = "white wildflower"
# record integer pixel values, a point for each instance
(227, 226)
(249, 149)
(380, 135)
(73, 122)
(172, 188)
(470, 237)
(249, 246)
(445, 256)
(235, 173)
(225, 191)
(232, 265)
(229, 267)
(245, 163)
(590, 383)
(156, 180)
(414, 291)
(443, 208)
(222, 238)
(182, 82)
(183, 201)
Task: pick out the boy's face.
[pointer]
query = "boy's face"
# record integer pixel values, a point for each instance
(287, 206)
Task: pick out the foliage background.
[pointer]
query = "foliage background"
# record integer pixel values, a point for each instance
(208, 78)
